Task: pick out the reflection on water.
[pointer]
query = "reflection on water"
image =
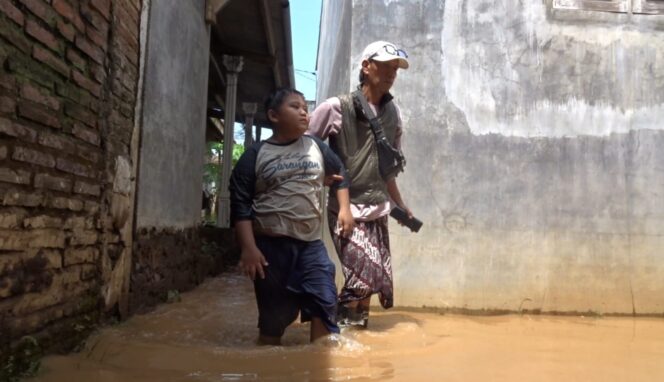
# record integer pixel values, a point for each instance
(210, 334)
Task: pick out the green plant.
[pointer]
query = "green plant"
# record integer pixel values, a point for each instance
(212, 168)
(172, 296)
(23, 362)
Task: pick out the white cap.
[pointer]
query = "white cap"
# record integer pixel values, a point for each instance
(385, 51)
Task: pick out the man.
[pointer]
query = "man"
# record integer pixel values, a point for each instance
(365, 252)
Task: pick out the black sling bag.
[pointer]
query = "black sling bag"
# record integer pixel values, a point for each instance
(390, 160)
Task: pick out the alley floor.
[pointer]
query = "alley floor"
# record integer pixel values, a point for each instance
(209, 336)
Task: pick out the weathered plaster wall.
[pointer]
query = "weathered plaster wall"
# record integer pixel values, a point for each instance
(333, 51)
(175, 101)
(532, 140)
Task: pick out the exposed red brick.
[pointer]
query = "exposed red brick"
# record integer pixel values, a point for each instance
(43, 221)
(87, 188)
(91, 207)
(64, 9)
(76, 222)
(69, 13)
(76, 168)
(49, 59)
(91, 50)
(12, 12)
(83, 237)
(98, 73)
(94, 18)
(10, 218)
(80, 113)
(89, 272)
(76, 59)
(16, 37)
(128, 17)
(27, 68)
(97, 37)
(66, 30)
(33, 94)
(21, 198)
(41, 34)
(17, 176)
(7, 105)
(122, 49)
(17, 130)
(47, 238)
(103, 7)
(87, 153)
(64, 203)
(24, 154)
(12, 240)
(36, 113)
(126, 37)
(74, 93)
(86, 134)
(40, 9)
(51, 182)
(57, 142)
(7, 82)
(86, 83)
(81, 255)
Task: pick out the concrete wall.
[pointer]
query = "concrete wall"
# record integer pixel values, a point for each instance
(175, 101)
(533, 143)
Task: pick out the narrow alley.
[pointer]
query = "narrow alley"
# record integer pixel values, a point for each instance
(209, 335)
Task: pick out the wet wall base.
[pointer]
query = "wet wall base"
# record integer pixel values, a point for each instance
(167, 262)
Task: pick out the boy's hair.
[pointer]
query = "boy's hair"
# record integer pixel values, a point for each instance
(277, 97)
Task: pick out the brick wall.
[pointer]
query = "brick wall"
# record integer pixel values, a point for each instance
(68, 85)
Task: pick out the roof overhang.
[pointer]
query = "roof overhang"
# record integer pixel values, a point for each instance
(260, 32)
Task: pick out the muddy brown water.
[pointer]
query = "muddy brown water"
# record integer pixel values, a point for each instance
(210, 334)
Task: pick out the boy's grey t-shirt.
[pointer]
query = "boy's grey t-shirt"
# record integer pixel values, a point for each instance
(278, 186)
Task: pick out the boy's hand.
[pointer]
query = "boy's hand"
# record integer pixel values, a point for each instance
(330, 179)
(252, 262)
(346, 222)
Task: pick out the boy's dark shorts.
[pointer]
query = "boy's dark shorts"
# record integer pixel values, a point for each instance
(299, 278)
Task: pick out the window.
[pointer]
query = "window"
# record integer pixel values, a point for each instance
(649, 7)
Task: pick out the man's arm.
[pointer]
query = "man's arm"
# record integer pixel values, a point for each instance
(326, 119)
(395, 195)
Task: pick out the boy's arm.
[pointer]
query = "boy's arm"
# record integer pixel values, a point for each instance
(252, 260)
(242, 186)
(340, 185)
(333, 166)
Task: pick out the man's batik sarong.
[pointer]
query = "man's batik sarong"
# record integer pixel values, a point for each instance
(366, 261)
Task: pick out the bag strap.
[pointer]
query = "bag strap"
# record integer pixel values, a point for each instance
(368, 113)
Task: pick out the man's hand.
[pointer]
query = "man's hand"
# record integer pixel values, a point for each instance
(252, 262)
(330, 179)
(346, 222)
(408, 211)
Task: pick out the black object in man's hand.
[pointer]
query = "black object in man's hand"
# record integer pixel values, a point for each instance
(402, 217)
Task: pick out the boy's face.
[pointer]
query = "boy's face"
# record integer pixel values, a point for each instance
(292, 117)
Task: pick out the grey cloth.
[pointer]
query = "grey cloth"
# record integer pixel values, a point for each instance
(356, 147)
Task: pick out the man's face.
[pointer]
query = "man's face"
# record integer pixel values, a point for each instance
(380, 75)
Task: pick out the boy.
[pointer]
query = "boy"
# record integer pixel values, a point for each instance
(276, 207)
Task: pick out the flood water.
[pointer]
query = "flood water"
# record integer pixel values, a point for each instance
(209, 336)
